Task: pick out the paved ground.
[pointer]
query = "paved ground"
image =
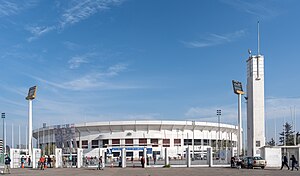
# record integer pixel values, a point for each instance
(154, 172)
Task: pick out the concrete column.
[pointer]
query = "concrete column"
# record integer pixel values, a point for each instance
(29, 128)
(209, 156)
(188, 157)
(79, 157)
(123, 155)
(166, 156)
(58, 157)
(145, 156)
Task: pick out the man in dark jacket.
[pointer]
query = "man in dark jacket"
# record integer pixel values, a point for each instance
(7, 164)
(294, 163)
(284, 163)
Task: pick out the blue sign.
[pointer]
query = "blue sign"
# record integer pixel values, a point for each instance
(109, 151)
(149, 150)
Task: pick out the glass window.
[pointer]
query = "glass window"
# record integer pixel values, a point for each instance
(142, 142)
(187, 141)
(257, 143)
(95, 144)
(115, 141)
(154, 142)
(177, 142)
(197, 142)
(85, 144)
(166, 142)
(105, 143)
(129, 142)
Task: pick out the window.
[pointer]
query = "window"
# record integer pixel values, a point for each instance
(129, 142)
(115, 141)
(77, 142)
(177, 142)
(205, 142)
(142, 142)
(154, 142)
(85, 144)
(197, 142)
(187, 141)
(129, 154)
(95, 144)
(105, 143)
(257, 143)
(166, 142)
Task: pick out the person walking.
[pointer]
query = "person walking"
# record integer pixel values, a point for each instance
(29, 161)
(294, 163)
(42, 162)
(22, 161)
(49, 162)
(143, 162)
(7, 164)
(100, 164)
(284, 162)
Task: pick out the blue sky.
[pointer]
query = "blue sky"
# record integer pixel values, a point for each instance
(99, 60)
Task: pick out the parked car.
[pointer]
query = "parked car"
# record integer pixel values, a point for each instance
(256, 161)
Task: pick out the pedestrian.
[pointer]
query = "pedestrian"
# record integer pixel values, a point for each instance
(147, 159)
(232, 162)
(49, 162)
(294, 163)
(120, 161)
(143, 162)
(42, 162)
(100, 164)
(284, 162)
(22, 161)
(7, 164)
(154, 159)
(29, 161)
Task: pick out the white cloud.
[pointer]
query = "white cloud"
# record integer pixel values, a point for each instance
(79, 10)
(279, 108)
(229, 113)
(13, 7)
(84, 9)
(261, 9)
(71, 45)
(116, 69)
(215, 39)
(76, 61)
(38, 31)
(91, 81)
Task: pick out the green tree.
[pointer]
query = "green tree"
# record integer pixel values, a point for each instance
(271, 142)
(287, 135)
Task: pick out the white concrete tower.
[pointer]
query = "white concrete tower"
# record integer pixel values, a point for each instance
(255, 103)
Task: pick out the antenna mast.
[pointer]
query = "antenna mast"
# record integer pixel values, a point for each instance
(258, 53)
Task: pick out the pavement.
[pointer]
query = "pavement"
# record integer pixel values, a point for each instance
(205, 171)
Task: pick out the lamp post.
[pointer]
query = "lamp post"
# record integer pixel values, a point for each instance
(3, 144)
(193, 141)
(31, 96)
(237, 88)
(219, 112)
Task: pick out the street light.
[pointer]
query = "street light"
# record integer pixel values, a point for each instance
(237, 88)
(3, 144)
(219, 113)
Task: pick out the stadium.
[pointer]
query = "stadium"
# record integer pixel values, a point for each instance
(134, 136)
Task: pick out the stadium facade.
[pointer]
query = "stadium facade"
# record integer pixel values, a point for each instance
(134, 136)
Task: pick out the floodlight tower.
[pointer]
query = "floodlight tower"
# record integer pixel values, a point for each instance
(255, 102)
(31, 95)
(237, 88)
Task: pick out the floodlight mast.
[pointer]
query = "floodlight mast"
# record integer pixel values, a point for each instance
(237, 87)
(30, 97)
